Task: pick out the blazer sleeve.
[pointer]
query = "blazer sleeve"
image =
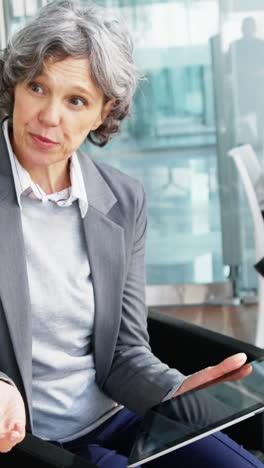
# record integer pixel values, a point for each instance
(6, 379)
(138, 379)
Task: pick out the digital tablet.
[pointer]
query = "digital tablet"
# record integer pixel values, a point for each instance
(198, 413)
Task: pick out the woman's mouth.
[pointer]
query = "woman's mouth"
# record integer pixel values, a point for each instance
(43, 142)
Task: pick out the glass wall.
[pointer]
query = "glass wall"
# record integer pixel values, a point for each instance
(201, 94)
(170, 142)
(238, 58)
(17, 12)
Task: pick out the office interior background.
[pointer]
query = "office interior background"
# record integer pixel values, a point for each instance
(201, 93)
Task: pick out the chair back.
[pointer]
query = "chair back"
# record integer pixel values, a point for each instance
(250, 171)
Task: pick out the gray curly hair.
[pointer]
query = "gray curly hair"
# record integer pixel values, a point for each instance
(61, 29)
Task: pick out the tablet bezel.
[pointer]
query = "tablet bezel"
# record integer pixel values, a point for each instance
(241, 415)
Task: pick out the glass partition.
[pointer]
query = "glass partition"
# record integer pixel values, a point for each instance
(170, 142)
(238, 56)
(17, 12)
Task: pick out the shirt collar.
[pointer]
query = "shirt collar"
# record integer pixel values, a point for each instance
(24, 185)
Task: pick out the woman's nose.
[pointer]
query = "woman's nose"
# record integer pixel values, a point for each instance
(51, 113)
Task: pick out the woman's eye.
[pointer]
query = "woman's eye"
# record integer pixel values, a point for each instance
(36, 88)
(78, 102)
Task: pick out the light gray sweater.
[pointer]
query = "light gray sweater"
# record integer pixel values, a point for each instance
(67, 402)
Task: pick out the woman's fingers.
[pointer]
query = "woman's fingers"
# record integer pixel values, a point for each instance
(231, 368)
(9, 439)
(14, 436)
(238, 374)
(229, 364)
(12, 417)
(16, 425)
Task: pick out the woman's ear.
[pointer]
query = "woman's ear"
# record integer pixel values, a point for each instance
(107, 108)
(104, 113)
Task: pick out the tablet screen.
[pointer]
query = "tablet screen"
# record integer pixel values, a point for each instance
(195, 414)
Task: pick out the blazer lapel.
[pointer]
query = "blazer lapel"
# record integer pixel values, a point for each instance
(106, 253)
(106, 256)
(13, 273)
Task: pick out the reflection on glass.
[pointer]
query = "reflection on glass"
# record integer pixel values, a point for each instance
(169, 143)
(245, 66)
(241, 103)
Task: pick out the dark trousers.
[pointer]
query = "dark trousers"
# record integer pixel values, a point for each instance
(109, 445)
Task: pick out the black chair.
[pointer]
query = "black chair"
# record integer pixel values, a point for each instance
(180, 344)
(190, 348)
(33, 452)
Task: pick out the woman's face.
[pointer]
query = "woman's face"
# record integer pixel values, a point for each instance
(54, 112)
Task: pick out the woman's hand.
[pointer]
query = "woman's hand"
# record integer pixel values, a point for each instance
(232, 368)
(12, 417)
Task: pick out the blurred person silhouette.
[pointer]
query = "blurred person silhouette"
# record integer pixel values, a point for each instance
(245, 66)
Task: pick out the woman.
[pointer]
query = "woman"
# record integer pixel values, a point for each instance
(73, 320)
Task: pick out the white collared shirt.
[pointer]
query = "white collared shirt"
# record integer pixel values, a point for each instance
(24, 185)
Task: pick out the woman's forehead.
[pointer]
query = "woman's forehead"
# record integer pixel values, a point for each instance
(73, 72)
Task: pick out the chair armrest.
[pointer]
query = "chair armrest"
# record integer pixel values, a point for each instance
(34, 452)
(189, 348)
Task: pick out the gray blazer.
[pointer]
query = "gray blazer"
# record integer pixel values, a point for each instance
(115, 227)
